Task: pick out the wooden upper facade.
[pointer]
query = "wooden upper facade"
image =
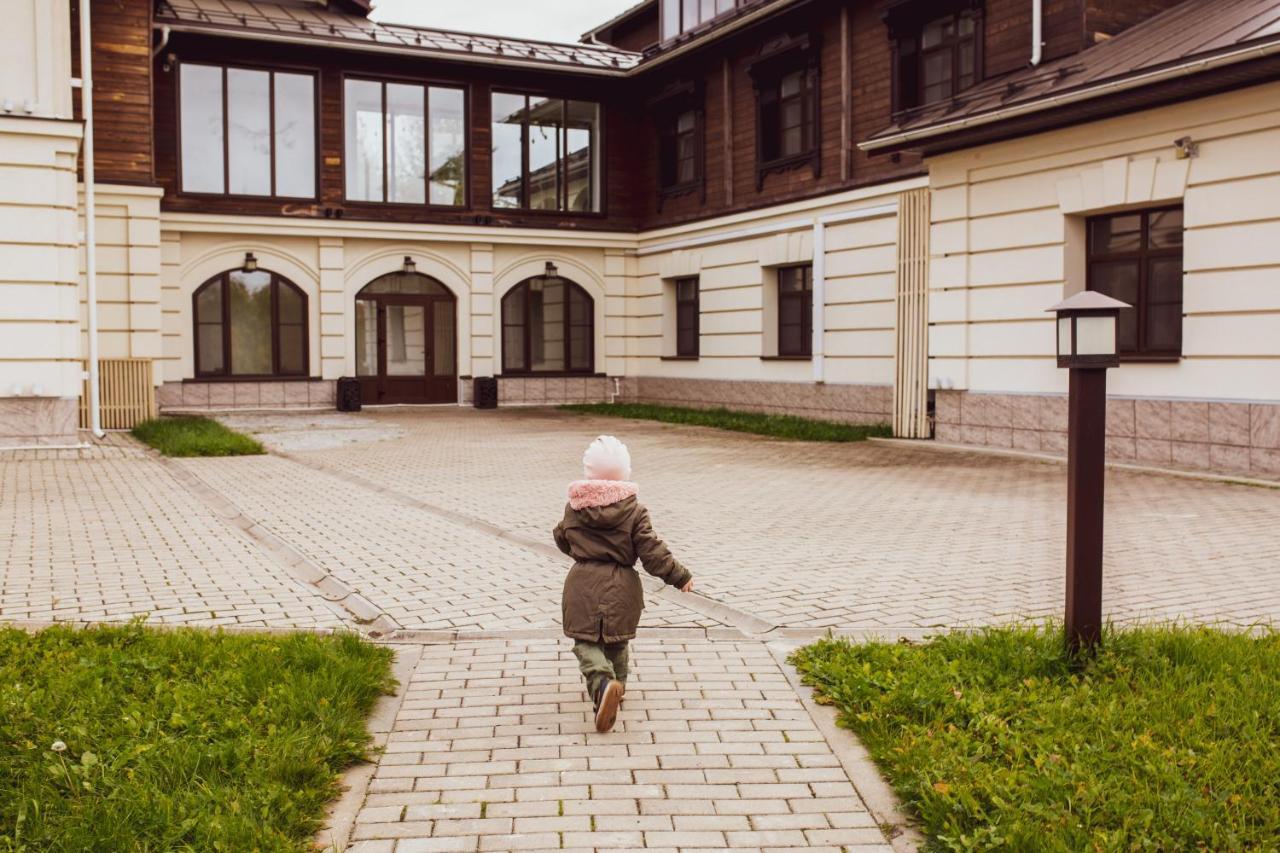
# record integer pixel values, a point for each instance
(762, 106)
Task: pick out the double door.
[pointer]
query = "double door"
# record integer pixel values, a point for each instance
(406, 349)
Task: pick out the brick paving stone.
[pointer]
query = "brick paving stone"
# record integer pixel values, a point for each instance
(623, 805)
(909, 538)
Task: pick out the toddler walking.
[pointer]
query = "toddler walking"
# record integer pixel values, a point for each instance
(605, 529)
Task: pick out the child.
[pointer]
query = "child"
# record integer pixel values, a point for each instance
(605, 529)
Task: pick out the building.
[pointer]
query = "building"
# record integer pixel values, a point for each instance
(849, 209)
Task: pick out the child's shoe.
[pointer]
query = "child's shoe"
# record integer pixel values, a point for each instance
(607, 699)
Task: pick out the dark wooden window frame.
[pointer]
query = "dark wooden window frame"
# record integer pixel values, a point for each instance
(778, 59)
(689, 315)
(805, 298)
(667, 107)
(426, 85)
(906, 21)
(226, 144)
(597, 150)
(703, 23)
(1141, 257)
(527, 322)
(223, 280)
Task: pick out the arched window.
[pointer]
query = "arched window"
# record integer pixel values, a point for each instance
(250, 323)
(548, 326)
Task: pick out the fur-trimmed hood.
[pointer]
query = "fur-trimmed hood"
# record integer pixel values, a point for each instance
(585, 494)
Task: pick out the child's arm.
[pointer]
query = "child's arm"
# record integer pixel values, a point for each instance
(656, 557)
(562, 541)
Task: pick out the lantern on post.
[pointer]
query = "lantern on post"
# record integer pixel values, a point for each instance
(1087, 346)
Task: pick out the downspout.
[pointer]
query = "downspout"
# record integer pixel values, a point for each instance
(1037, 32)
(164, 41)
(90, 214)
(819, 298)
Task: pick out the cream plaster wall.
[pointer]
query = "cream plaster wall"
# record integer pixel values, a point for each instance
(39, 335)
(35, 58)
(1007, 243)
(737, 276)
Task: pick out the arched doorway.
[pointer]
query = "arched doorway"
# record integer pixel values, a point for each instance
(406, 340)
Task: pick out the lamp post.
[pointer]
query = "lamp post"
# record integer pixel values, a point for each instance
(1087, 346)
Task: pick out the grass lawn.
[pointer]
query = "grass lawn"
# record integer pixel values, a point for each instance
(133, 739)
(775, 426)
(195, 437)
(1169, 740)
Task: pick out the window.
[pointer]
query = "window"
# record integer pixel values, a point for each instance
(937, 56)
(681, 150)
(795, 311)
(247, 132)
(681, 16)
(786, 77)
(546, 154)
(1137, 258)
(405, 143)
(687, 318)
(548, 325)
(250, 324)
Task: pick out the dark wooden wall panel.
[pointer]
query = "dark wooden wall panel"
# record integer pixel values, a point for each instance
(1103, 18)
(1007, 42)
(122, 107)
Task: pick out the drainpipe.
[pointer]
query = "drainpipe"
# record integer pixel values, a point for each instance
(164, 41)
(1037, 31)
(819, 298)
(90, 213)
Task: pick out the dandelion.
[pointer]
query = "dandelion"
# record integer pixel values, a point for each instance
(59, 746)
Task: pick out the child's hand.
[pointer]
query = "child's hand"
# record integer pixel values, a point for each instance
(687, 587)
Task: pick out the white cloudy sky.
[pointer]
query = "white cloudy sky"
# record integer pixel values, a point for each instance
(553, 20)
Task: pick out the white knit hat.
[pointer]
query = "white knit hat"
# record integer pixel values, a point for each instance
(607, 459)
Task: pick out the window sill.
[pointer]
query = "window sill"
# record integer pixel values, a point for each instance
(786, 358)
(1150, 359)
(556, 374)
(680, 358)
(680, 189)
(224, 380)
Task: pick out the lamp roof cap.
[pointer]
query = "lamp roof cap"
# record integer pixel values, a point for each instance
(1089, 300)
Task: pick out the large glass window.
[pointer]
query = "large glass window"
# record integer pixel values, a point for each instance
(795, 311)
(247, 132)
(1137, 258)
(548, 326)
(681, 16)
(546, 154)
(405, 143)
(250, 323)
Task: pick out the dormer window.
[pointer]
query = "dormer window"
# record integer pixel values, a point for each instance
(937, 50)
(682, 16)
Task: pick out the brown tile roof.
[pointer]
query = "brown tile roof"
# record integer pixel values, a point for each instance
(257, 19)
(1198, 33)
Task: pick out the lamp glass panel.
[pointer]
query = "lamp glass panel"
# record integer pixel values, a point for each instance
(1096, 335)
(1064, 336)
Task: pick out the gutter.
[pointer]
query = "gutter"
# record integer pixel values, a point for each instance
(1182, 69)
(371, 47)
(90, 216)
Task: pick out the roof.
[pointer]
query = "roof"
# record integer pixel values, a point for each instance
(620, 18)
(1202, 34)
(271, 21)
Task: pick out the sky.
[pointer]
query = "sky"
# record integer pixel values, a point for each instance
(551, 20)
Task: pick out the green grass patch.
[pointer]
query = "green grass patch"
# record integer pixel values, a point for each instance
(134, 739)
(1169, 740)
(775, 426)
(195, 437)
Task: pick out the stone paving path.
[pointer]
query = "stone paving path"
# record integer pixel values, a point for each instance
(436, 523)
(493, 750)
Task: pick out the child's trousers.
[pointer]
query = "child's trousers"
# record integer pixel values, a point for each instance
(600, 662)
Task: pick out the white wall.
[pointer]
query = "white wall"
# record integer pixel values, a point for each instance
(1007, 243)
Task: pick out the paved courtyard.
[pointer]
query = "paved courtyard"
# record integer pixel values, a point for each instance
(430, 528)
